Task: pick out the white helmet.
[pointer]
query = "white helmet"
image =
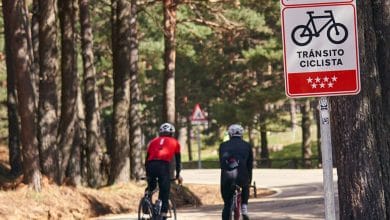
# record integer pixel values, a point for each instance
(167, 128)
(235, 130)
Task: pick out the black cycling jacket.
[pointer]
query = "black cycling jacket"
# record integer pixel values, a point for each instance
(240, 150)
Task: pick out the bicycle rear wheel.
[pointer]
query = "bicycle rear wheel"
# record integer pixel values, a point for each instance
(237, 207)
(145, 210)
(172, 210)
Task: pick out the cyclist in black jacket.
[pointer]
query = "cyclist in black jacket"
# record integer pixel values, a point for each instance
(236, 162)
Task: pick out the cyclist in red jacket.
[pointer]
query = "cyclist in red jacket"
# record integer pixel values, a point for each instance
(160, 153)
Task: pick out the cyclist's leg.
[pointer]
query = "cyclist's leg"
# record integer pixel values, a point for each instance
(244, 183)
(227, 191)
(164, 185)
(244, 200)
(151, 169)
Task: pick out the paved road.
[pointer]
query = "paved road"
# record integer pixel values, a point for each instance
(299, 195)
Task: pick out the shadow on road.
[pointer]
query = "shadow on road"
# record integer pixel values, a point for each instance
(300, 202)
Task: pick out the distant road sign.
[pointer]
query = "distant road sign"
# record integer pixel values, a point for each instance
(321, 56)
(198, 116)
(313, 2)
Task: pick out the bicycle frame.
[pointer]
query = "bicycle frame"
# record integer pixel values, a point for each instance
(148, 198)
(311, 21)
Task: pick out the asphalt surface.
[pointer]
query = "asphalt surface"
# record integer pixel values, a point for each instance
(299, 195)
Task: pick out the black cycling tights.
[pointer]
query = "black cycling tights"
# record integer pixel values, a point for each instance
(227, 190)
(158, 170)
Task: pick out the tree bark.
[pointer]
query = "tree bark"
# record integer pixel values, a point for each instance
(48, 100)
(92, 114)
(120, 149)
(306, 140)
(169, 107)
(76, 168)
(317, 118)
(189, 143)
(359, 132)
(135, 119)
(16, 21)
(35, 48)
(15, 160)
(381, 14)
(169, 110)
(264, 155)
(69, 85)
(293, 114)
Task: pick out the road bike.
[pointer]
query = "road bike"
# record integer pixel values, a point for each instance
(302, 35)
(235, 209)
(150, 208)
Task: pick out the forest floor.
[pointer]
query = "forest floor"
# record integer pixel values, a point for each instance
(18, 201)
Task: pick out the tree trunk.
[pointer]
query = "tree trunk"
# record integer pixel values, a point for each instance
(359, 132)
(135, 122)
(66, 132)
(48, 100)
(15, 160)
(293, 114)
(169, 60)
(189, 143)
(35, 48)
(317, 118)
(381, 13)
(120, 152)
(75, 170)
(306, 142)
(252, 142)
(92, 115)
(169, 108)
(16, 21)
(264, 155)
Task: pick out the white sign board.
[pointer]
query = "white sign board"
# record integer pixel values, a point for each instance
(312, 2)
(320, 50)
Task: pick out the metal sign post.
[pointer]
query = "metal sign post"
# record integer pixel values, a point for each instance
(327, 162)
(199, 147)
(198, 118)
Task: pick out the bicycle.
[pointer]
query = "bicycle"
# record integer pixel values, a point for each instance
(149, 210)
(235, 210)
(302, 35)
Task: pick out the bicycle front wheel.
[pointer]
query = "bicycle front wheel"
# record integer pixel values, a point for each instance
(145, 210)
(172, 210)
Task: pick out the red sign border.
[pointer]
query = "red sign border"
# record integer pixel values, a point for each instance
(319, 94)
(312, 4)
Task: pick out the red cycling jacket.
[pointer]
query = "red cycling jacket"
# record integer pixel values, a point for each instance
(163, 148)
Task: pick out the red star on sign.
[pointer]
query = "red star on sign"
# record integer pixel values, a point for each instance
(322, 83)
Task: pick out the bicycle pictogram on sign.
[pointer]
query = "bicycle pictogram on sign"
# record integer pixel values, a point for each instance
(337, 33)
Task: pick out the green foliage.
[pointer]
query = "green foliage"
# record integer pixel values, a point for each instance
(223, 56)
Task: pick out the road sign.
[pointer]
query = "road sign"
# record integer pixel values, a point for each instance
(313, 2)
(321, 56)
(198, 116)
